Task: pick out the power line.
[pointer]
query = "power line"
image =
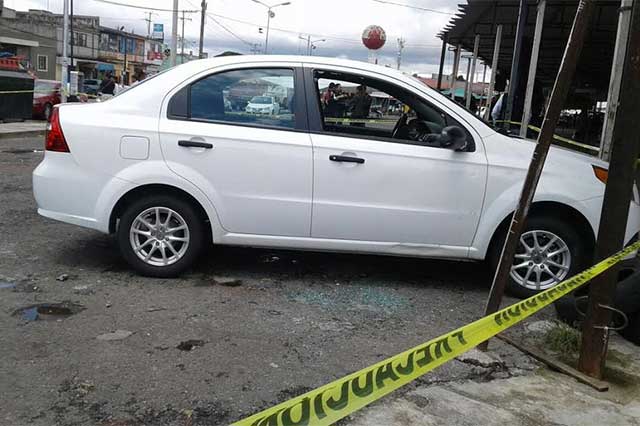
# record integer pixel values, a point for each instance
(224, 27)
(424, 9)
(213, 17)
(143, 7)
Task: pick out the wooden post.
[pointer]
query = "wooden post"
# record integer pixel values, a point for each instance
(472, 74)
(494, 70)
(442, 58)
(514, 78)
(454, 76)
(556, 103)
(622, 36)
(466, 84)
(615, 209)
(533, 66)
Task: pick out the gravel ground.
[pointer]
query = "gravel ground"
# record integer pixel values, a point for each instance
(265, 325)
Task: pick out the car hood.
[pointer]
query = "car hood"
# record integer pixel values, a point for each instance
(259, 105)
(564, 170)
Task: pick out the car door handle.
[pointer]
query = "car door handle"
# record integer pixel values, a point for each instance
(346, 159)
(194, 144)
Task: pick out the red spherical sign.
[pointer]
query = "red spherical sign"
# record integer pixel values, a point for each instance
(374, 37)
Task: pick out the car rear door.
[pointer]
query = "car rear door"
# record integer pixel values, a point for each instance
(368, 187)
(256, 169)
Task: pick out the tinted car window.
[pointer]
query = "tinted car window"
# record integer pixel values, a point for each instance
(358, 106)
(253, 96)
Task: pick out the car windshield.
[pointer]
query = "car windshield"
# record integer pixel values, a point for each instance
(477, 117)
(261, 100)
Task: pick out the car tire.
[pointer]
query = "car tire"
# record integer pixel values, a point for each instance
(146, 246)
(544, 229)
(46, 112)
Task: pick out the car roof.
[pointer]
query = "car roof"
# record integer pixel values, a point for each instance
(204, 64)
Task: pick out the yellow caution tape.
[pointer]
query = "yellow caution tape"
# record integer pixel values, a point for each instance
(336, 400)
(357, 120)
(7, 92)
(556, 137)
(11, 92)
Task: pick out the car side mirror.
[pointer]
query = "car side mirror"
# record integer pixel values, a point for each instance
(454, 138)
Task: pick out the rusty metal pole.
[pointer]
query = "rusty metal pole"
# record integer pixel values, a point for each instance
(442, 59)
(556, 103)
(625, 146)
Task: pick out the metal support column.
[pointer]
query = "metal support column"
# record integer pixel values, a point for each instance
(174, 34)
(552, 115)
(442, 58)
(615, 209)
(472, 74)
(533, 66)
(65, 44)
(624, 22)
(494, 70)
(454, 74)
(468, 77)
(515, 64)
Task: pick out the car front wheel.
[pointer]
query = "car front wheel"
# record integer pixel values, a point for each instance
(549, 252)
(160, 236)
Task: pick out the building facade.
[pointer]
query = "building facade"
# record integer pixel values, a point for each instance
(34, 46)
(36, 37)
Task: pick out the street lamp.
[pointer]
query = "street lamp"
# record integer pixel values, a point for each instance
(312, 45)
(270, 15)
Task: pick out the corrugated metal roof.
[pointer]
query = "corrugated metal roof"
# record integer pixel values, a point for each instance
(482, 17)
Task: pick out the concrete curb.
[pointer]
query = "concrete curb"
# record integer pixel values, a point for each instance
(25, 134)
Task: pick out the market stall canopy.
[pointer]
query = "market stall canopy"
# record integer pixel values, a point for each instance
(483, 16)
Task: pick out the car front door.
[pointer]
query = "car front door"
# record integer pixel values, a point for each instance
(370, 186)
(256, 168)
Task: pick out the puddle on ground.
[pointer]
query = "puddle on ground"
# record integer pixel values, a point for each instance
(48, 311)
(23, 151)
(190, 345)
(4, 284)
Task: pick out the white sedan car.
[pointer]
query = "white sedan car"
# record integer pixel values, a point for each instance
(167, 168)
(263, 105)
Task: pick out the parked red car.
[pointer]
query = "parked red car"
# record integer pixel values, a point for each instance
(46, 95)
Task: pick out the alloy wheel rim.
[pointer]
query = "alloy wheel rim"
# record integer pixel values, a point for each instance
(542, 260)
(159, 236)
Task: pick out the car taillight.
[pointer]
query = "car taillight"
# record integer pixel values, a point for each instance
(54, 140)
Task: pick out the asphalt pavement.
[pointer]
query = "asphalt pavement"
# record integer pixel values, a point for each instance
(244, 329)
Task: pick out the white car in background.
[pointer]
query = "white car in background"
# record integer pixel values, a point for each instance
(167, 169)
(263, 105)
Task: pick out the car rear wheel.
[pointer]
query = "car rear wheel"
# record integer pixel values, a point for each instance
(46, 112)
(160, 236)
(549, 252)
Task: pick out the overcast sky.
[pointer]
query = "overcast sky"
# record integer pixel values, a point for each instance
(340, 22)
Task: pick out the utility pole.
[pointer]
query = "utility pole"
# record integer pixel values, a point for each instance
(65, 43)
(309, 45)
(69, 69)
(556, 103)
(182, 37)
(400, 47)
(625, 144)
(174, 33)
(203, 12)
(149, 20)
(256, 48)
